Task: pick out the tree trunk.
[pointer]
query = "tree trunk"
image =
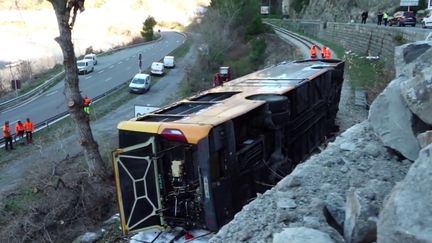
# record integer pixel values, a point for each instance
(73, 97)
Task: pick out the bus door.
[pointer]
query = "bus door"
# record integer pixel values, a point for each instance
(137, 187)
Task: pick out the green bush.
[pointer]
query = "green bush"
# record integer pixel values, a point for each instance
(147, 30)
(258, 47)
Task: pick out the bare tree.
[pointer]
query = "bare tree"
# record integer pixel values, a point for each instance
(66, 12)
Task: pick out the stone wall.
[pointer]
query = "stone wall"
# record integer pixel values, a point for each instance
(362, 39)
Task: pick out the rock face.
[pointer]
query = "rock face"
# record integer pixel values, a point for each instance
(392, 121)
(341, 10)
(407, 213)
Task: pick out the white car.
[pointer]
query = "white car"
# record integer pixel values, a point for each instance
(92, 57)
(157, 68)
(169, 62)
(427, 21)
(140, 83)
(85, 66)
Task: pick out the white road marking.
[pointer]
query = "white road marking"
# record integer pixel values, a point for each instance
(101, 71)
(89, 77)
(120, 62)
(112, 66)
(49, 94)
(108, 79)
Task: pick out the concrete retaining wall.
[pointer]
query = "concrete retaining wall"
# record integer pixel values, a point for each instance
(362, 39)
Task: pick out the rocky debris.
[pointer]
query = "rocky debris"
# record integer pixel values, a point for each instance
(405, 55)
(407, 213)
(392, 121)
(314, 194)
(89, 237)
(417, 92)
(301, 235)
(425, 138)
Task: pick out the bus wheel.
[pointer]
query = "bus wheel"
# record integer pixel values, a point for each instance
(276, 103)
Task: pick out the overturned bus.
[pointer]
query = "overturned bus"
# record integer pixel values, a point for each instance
(196, 162)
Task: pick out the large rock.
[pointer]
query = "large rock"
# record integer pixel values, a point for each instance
(412, 58)
(417, 92)
(362, 210)
(407, 213)
(425, 138)
(392, 121)
(301, 235)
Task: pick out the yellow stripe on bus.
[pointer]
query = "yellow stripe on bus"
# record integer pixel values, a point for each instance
(147, 127)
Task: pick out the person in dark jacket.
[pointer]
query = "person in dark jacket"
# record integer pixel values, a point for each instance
(364, 16)
(380, 17)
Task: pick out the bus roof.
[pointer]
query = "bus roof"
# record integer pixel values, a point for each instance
(220, 104)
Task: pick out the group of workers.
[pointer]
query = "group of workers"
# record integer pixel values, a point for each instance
(27, 128)
(325, 52)
(20, 129)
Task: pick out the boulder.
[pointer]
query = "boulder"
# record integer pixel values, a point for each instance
(425, 138)
(301, 235)
(417, 92)
(407, 213)
(412, 58)
(391, 120)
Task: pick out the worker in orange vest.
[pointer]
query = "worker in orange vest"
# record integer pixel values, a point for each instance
(326, 54)
(19, 131)
(313, 51)
(86, 104)
(7, 136)
(28, 128)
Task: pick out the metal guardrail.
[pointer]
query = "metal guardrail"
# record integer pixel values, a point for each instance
(61, 116)
(39, 89)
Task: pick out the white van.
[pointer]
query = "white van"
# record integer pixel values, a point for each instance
(140, 83)
(157, 68)
(92, 57)
(168, 62)
(85, 66)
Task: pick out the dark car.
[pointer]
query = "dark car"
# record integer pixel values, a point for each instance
(402, 18)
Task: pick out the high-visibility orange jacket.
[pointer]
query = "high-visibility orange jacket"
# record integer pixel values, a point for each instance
(327, 54)
(19, 127)
(87, 101)
(313, 52)
(28, 126)
(6, 131)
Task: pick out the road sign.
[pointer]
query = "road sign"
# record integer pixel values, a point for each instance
(265, 9)
(409, 2)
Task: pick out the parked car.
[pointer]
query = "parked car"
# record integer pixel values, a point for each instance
(169, 62)
(140, 83)
(402, 18)
(157, 68)
(427, 21)
(85, 66)
(92, 57)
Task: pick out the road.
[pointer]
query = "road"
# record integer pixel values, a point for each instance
(110, 71)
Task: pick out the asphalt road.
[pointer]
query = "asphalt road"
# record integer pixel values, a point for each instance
(110, 71)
